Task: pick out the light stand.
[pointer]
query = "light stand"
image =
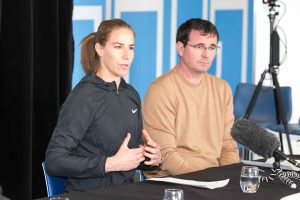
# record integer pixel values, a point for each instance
(272, 70)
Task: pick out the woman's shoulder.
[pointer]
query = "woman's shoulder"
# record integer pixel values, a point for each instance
(133, 93)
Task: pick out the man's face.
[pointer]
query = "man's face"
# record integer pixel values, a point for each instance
(199, 53)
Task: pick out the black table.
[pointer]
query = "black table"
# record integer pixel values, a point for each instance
(155, 190)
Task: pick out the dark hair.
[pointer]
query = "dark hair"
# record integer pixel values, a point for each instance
(184, 30)
(89, 57)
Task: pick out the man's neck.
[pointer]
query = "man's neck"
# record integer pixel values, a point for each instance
(194, 78)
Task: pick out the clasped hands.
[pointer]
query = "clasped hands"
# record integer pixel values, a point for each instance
(127, 159)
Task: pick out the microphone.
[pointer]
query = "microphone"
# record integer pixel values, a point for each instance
(259, 140)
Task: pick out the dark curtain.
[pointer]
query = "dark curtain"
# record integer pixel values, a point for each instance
(36, 60)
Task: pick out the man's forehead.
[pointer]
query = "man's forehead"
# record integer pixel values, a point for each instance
(195, 32)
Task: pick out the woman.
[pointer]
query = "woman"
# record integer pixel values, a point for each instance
(97, 141)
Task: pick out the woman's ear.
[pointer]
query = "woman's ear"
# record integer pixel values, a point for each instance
(99, 49)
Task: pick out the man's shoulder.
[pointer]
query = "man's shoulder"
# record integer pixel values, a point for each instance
(218, 84)
(216, 80)
(165, 79)
(163, 85)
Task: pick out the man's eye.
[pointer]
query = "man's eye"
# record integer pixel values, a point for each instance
(118, 47)
(212, 48)
(199, 47)
(131, 48)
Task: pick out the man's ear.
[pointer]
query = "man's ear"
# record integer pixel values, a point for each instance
(99, 49)
(180, 48)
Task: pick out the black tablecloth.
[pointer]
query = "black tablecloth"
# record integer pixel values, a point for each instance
(154, 190)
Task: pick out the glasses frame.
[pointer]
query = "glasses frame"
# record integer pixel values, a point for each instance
(201, 47)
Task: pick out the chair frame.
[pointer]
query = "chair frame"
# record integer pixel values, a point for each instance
(53, 189)
(60, 181)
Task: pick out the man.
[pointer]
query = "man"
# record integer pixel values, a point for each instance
(189, 112)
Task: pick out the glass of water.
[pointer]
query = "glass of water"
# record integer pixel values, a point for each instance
(173, 194)
(249, 180)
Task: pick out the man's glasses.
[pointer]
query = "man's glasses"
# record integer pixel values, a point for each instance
(201, 47)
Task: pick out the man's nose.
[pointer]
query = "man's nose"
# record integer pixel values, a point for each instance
(205, 52)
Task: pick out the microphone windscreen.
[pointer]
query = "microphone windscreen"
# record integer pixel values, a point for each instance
(254, 137)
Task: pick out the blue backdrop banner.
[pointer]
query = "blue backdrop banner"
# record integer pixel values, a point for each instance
(155, 23)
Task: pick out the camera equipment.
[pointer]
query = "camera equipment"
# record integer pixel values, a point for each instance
(270, 2)
(273, 71)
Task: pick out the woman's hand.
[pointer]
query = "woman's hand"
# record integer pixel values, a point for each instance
(152, 150)
(125, 159)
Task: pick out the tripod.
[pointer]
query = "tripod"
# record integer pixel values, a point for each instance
(284, 176)
(272, 70)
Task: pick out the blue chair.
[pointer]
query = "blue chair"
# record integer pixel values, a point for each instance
(294, 129)
(139, 175)
(264, 111)
(55, 185)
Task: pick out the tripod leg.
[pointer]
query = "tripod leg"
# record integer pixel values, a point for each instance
(280, 109)
(281, 175)
(250, 108)
(281, 142)
(255, 95)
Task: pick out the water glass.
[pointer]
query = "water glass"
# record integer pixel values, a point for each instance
(173, 194)
(249, 180)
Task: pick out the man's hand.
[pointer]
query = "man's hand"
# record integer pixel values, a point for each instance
(152, 150)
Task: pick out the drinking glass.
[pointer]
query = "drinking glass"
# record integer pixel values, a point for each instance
(173, 194)
(249, 180)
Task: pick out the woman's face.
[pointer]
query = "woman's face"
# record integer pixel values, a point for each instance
(117, 54)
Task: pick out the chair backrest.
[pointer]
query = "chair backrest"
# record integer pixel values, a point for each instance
(264, 110)
(55, 185)
(139, 176)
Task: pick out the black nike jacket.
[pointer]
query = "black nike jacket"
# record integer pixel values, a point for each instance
(92, 124)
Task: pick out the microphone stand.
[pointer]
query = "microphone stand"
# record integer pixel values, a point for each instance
(282, 175)
(272, 70)
(276, 163)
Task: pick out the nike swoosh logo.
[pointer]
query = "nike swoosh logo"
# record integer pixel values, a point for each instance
(133, 111)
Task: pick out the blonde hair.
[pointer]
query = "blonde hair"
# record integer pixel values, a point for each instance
(89, 58)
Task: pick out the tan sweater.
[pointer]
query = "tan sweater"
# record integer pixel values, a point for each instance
(191, 123)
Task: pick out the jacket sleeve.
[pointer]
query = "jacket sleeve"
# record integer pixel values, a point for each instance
(230, 152)
(74, 119)
(140, 124)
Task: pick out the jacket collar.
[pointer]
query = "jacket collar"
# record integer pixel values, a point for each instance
(92, 78)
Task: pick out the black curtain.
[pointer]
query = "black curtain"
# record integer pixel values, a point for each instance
(36, 60)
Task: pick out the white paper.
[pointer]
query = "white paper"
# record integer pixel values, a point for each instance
(269, 163)
(202, 184)
(295, 196)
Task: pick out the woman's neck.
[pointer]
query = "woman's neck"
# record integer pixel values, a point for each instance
(108, 78)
